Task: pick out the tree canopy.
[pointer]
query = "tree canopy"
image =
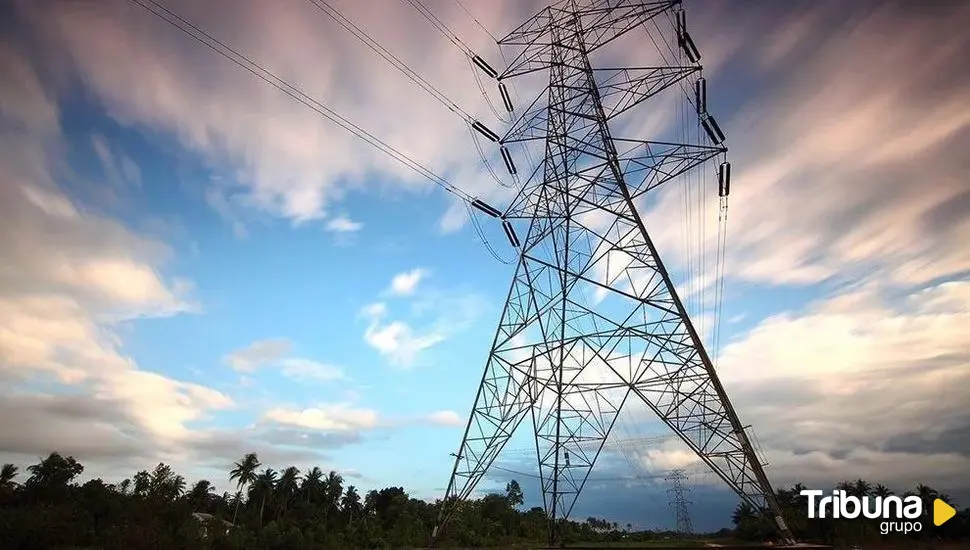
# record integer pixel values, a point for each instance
(290, 509)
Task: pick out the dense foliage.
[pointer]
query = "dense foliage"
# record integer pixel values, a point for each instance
(288, 509)
(270, 509)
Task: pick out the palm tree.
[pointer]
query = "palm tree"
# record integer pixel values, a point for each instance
(333, 489)
(862, 488)
(287, 487)
(743, 513)
(350, 503)
(7, 473)
(54, 472)
(176, 487)
(881, 490)
(200, 495)
(244, 474)
(235, 499)
(312, 483)
(927, 495)
(262, 487)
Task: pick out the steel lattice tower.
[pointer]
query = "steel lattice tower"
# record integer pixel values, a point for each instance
(679, 502)
(556, 359)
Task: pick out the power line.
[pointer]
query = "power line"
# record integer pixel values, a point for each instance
(348, 25)
(396, 62)
(265, 75)
(477, 22)
(441, 27)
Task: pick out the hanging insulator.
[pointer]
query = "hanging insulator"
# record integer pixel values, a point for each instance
(681, 26)
(687, 44)
(510, 233)
(505, 96)
(566, 453)
(713, 130)
(485, 67)
(724, 179)
(492, 136)
(477, 203)
(700, 95)
(507, 157)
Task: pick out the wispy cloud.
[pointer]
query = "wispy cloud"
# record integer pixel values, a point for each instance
(849, 155)
(343, 224)
(339, 417)
(405, 284)
(445, 418)
(275, 353)
(219, 110)
(342, 417)
(840, 382)
(305, 369)
(257, 354)
(426, 319)
(396, 340)
(78, 276)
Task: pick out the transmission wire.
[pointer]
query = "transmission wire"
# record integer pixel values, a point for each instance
(440, 26)
(268, 77)
(396, 62)
(475, 19)
(348, 25)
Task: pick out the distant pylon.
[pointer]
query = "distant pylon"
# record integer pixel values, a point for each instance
(679, 502)
(568, 365)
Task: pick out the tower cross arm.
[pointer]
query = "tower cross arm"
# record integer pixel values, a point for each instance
(602, 22)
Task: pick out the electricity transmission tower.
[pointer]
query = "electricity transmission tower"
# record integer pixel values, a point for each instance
(569, 366)
(679, 502)
(592, 318)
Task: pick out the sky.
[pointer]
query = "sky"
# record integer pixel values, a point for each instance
(194, 266)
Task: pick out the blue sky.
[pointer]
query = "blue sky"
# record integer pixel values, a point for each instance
(197, 266)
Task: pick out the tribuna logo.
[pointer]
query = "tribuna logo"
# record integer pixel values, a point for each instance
(840, 505)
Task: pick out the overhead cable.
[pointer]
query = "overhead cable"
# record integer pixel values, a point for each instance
(263, 74)
(396, 62)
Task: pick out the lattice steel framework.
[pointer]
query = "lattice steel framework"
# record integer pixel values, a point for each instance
(568, 365)
(679, 502)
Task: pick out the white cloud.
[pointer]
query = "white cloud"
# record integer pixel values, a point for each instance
(405, 284)
(856, 383)
(275, 353)
(339, 417)
(70, 281)
(445, 418)
(815, 196)
(434, 316)
(292, 163)
(396, 340)
(119, 170)
(344, 417)
(343, 224)
(305, 369)
(258, 354)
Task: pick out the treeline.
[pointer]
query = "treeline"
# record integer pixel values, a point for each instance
(289, 509)
(854, 532)
(270, 509)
